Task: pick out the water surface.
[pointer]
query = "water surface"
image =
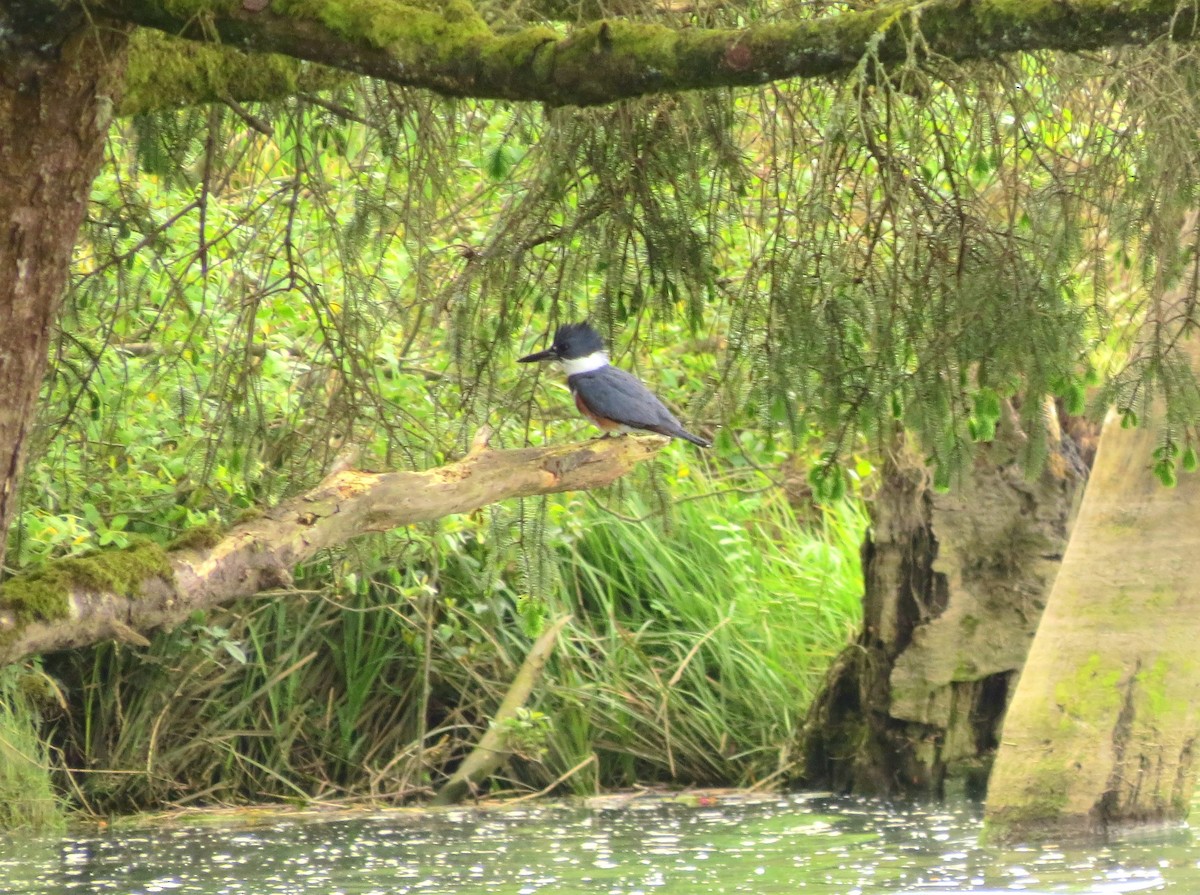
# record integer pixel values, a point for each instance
(708, 846)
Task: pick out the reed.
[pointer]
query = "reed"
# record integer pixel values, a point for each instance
(697, 639)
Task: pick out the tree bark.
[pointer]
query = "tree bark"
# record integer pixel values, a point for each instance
(1103, 726)
(449, 47)
(955, 586)
(121, 594)
(56, 100)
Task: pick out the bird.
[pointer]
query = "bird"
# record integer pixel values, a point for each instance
(613, 399)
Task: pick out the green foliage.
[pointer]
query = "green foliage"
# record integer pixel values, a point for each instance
(526, 733)
(27, 798)
(696, 642)
(827, 260)
(802, 271)
(197, 538)
(698, 624)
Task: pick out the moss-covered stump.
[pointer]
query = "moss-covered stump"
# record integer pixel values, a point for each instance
(1103, 726)
(955, 587)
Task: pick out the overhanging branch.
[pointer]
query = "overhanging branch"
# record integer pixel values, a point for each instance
(448, 48)
(165, 72)
(122, 594)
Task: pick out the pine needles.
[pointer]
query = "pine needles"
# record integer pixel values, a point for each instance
(804, 265)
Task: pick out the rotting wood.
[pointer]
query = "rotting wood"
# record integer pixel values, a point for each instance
(259, 554)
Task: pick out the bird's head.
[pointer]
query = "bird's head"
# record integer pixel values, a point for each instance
(571, 342)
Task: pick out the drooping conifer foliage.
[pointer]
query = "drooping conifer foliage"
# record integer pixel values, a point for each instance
(812, 264)
(906, 246)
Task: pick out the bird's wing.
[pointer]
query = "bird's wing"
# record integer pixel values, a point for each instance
(620, 396)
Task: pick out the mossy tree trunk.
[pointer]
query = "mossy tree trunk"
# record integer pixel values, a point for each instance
(955, 587)
(56, 100)
(1103, 726)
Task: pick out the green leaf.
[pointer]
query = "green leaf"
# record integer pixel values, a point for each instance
(1164, 471)
(837, 487)
(941, 477)
(499, 162)
(828, 482)
(984, 430)
(1076, 398)
(779, 409)
(987, 404)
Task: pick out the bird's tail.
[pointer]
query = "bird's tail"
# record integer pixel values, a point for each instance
(674, 430)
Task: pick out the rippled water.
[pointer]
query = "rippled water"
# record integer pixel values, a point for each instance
(788, 844)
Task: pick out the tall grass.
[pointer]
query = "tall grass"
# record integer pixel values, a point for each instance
(27, 798)
(702, 636)
(696, 643)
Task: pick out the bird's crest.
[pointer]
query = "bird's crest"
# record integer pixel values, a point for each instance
(577, 340)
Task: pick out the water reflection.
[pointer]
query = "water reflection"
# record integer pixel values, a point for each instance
(789, 844)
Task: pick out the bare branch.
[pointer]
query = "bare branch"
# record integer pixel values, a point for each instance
(118, 594)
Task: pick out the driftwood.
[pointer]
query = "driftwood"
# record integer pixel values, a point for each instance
(125, 594)
(493, 749)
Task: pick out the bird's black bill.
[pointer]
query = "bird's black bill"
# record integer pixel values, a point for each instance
(548, 354)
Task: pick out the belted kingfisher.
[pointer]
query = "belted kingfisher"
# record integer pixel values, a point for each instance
(614, 400)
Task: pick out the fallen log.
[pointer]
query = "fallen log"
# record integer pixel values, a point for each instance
(124, 594)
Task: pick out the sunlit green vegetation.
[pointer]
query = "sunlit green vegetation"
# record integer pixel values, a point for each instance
(697, 640)
(795, 270)
(239, 317)
(27, 798)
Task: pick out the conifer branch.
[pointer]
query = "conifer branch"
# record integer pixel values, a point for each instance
(448, 48)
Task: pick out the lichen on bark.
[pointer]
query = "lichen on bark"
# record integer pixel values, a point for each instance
(1106, 706)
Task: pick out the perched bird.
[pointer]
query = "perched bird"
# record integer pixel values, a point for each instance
(614, 400)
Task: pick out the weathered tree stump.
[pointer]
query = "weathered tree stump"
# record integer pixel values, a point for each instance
(955, 587)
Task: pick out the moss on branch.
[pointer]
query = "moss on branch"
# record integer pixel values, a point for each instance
(447, 47)
(198, 538)
(120, 593)
(164, 72)
(44, 595)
